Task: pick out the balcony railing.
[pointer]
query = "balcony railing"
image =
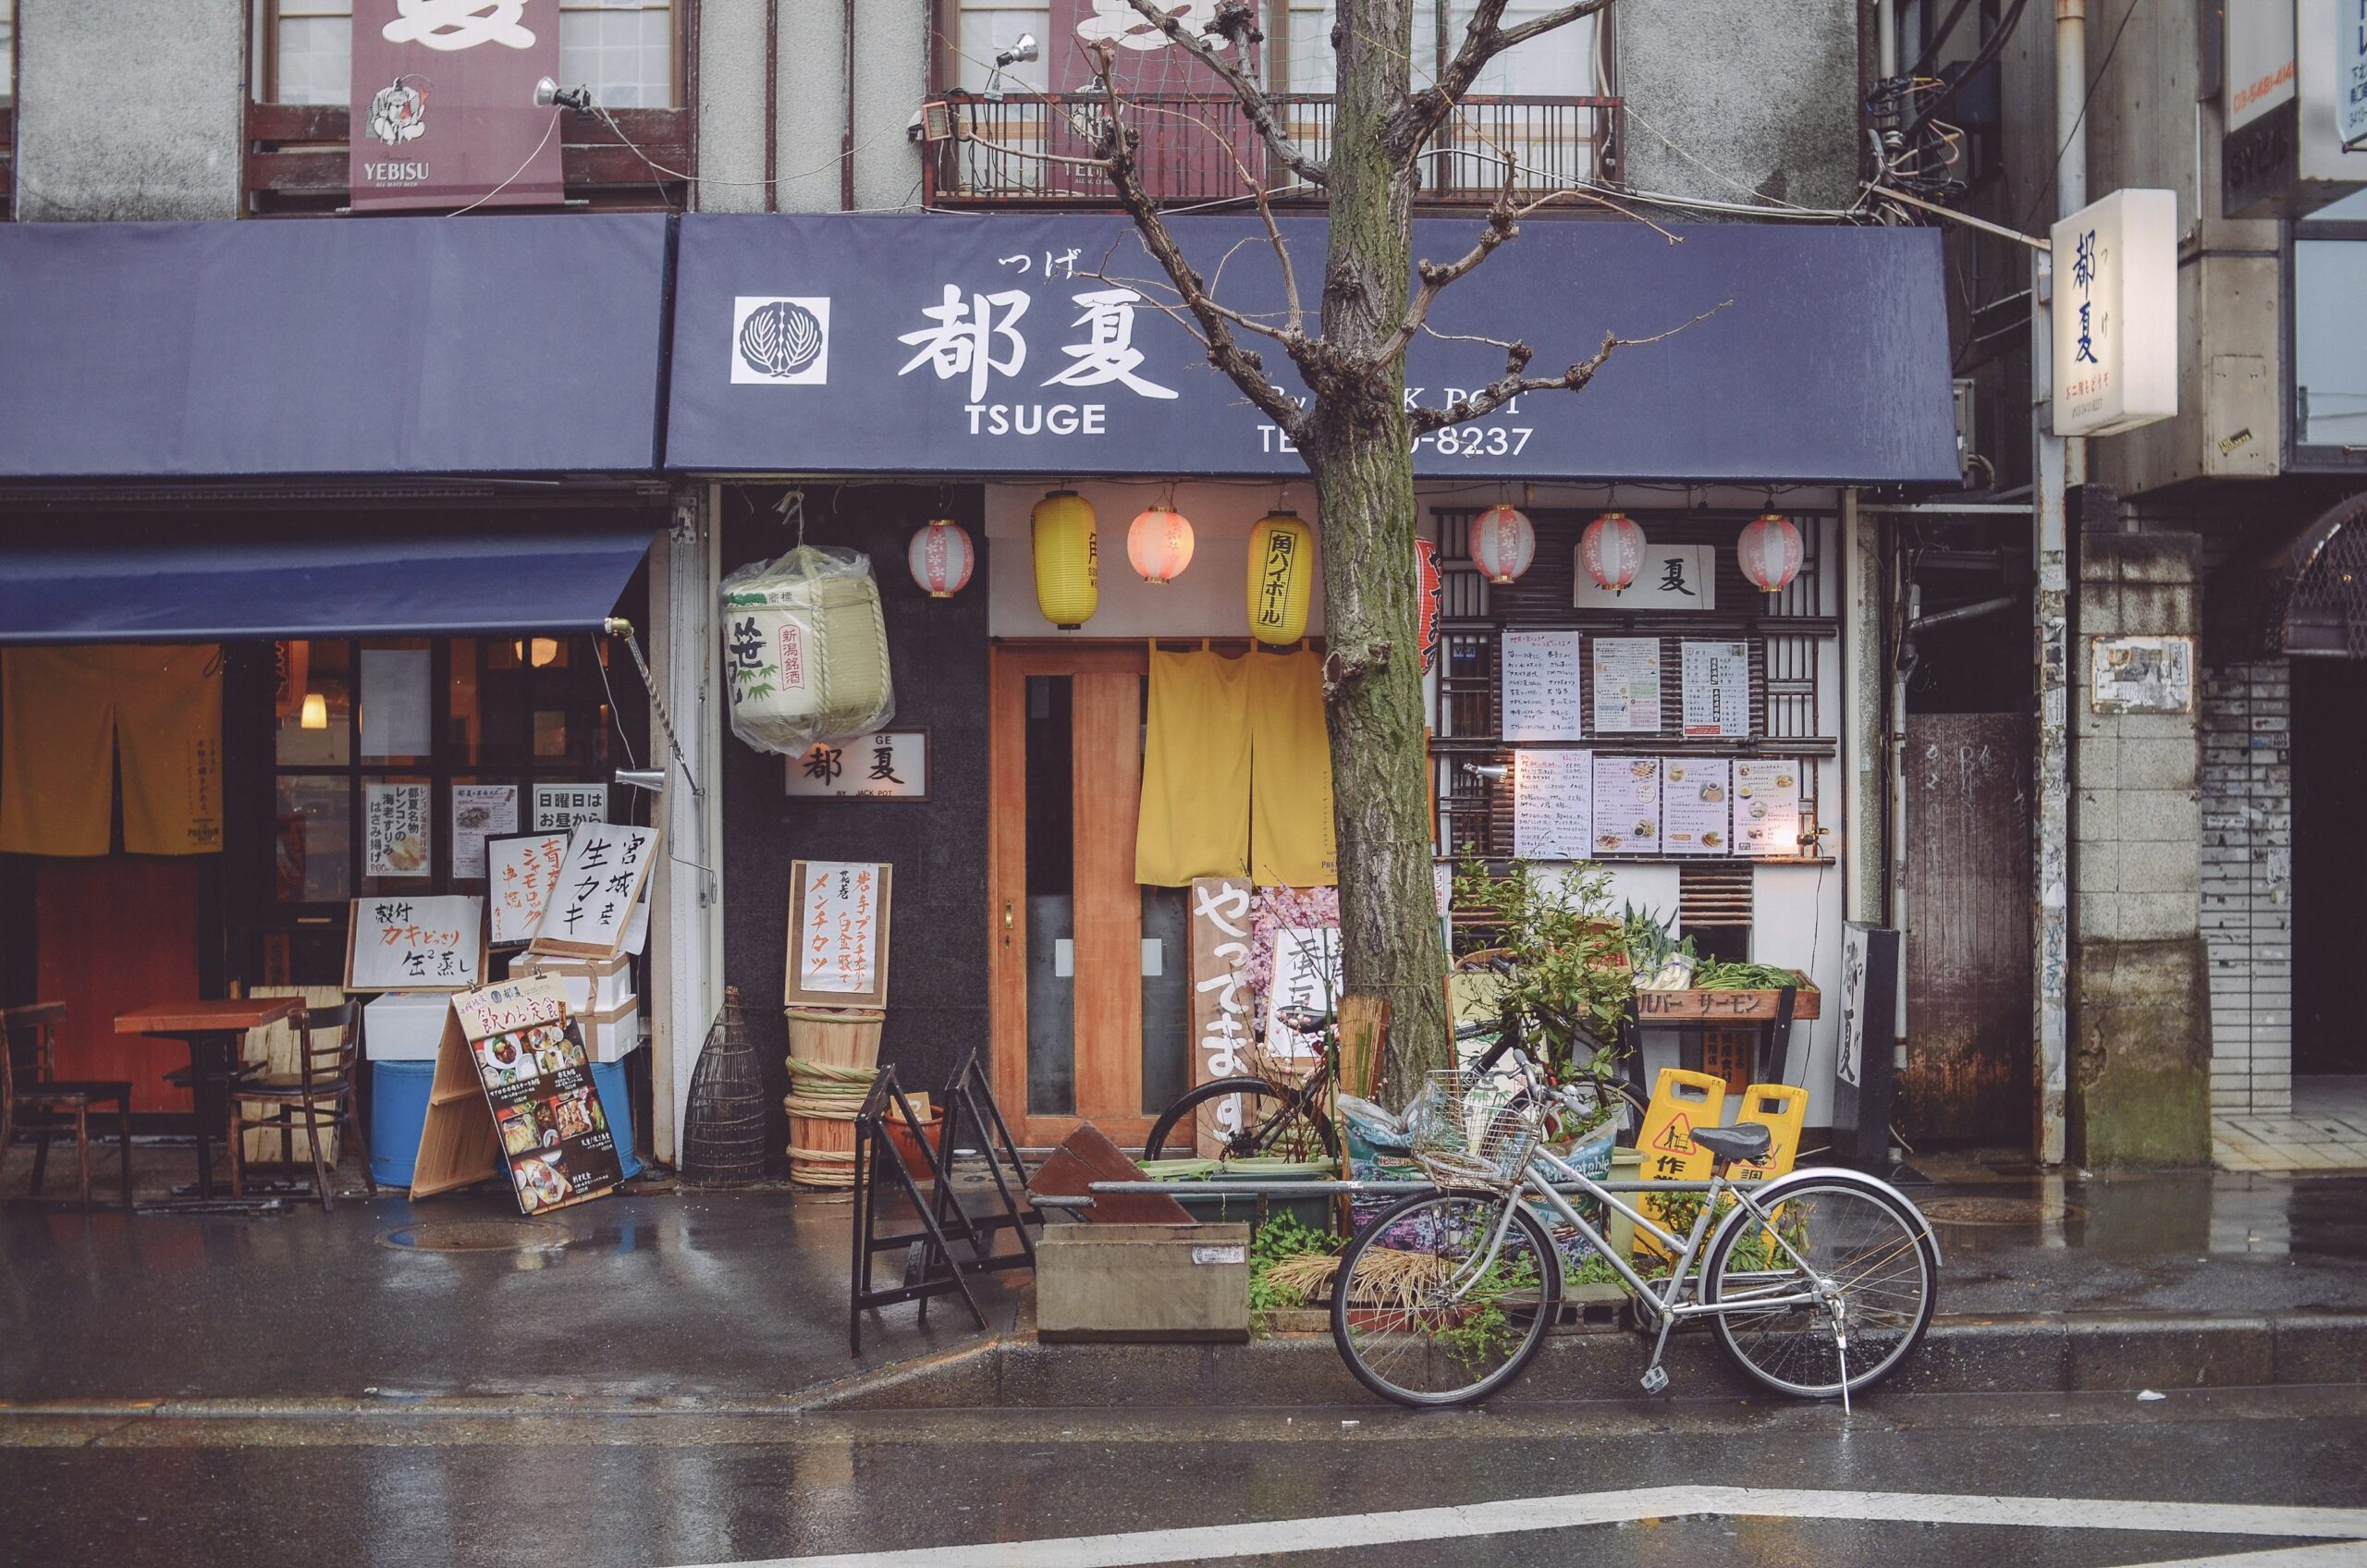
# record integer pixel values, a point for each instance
(1008, 151)
(295, 158)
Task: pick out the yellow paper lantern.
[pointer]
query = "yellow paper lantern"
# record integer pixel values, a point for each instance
(1281, 577)
(1068, 560)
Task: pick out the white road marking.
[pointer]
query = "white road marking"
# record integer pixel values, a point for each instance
(2331, 1554)
(1515, 1516)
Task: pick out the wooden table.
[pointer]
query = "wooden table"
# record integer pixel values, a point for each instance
(212, 1030)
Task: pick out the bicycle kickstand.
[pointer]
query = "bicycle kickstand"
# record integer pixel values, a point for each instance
(1655, 1375)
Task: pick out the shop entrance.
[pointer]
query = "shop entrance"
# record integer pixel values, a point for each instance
(2329, 862)
(1090, 970)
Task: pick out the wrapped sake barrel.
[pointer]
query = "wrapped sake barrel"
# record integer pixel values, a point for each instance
(805, 649)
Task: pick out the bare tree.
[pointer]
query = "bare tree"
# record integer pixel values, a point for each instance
(1356, 434)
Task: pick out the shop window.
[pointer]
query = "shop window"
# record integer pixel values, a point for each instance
(986, 28)
(8, 54)
(623, 50)
(1560, 63)
(2330, 333)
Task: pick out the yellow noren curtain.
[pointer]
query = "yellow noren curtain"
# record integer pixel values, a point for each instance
(64, 714)
(1194, 819)
(1292, 843)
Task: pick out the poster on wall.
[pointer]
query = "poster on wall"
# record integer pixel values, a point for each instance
(1715, 679)
(1543, 697)
(1696, 809)
(564, 806)
(479, 812)
(1307, 973)
(395, 831)
(2141, 674)
(1221, 1026)
(399, 943)
(1627, 806)
(1626, 686)
(1552, 804)
(606, 867)
(837, 933)
(1767, 806)
(529, 1055)
(521, 870)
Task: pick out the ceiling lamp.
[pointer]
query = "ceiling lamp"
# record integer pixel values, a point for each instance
(1610, 549)
(315, 715)
(940, 557)
(1159, 543)
(1281, 577)
(1502, 542)
(1770, 551)
(1068, 560)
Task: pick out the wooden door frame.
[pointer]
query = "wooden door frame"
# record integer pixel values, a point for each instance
(1009, 664)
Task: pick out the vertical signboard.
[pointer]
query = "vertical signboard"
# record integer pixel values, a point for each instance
(1222, 1027)
(442, 104)
(2258, 151)
(2115, 313)
(2350, 73)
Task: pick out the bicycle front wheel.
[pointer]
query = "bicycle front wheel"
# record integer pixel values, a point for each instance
(1424, 1312)
(1242, 1119)
(1875, 1254)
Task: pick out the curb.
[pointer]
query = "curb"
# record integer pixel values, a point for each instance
(2038, 1352)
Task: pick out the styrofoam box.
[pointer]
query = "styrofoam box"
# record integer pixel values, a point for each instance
(405, 1025)
(612, 1036)
(591, 985)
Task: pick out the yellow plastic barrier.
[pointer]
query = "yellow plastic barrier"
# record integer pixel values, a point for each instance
(1681, 1101)
(1780, 1109)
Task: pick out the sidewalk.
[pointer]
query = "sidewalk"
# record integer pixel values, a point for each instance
(737, 1301)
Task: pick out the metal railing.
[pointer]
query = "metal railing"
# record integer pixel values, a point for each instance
(1201, 148)
(295, 159)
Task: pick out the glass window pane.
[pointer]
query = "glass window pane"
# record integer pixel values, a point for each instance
(314, 703)
(623, 50)
(398, 836)
(8, 51)
(397, 701)
(2330, 343)
(313, 860)
(987, 28)
(316, 51)
(1560, 63)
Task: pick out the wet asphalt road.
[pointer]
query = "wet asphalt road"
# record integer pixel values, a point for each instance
(135, 1490)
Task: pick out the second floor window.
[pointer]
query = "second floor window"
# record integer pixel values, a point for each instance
(623, 50)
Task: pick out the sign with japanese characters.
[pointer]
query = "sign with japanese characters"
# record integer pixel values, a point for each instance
(2140, 674)
(521, 873)
(837, 933)
(1696, 808)
(442, 104)
(529, 1055)
(591, 904)
(2115, 313)
(1767, 806)
(1627, 806)
(1674, 579)
(395, 830)
(1223, 1028)
(1306, 973)
(891, 764)
(1046, 343)
(564, 806)
(479, 812)
(1627, 685)
(1552, 804)
(399, 943)
(1543, 686)
(1715, 682)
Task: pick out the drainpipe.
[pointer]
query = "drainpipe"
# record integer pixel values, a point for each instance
(1885, 39)
(846, 135)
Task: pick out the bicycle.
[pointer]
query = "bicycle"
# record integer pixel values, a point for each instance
(1818, 1283)
(1273, 1116)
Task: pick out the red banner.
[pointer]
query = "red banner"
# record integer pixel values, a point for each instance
(443, 111)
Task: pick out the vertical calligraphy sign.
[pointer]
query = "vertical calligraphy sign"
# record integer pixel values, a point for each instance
(837, 933)
(1222, 1033)
(590, 906)
(443, 104)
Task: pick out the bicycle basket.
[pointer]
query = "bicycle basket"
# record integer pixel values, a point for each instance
(1471, 1128)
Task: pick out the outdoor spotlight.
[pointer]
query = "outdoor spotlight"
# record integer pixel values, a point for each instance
(1023, 50)
(1494, 772)
(650, 778)
(549, 94)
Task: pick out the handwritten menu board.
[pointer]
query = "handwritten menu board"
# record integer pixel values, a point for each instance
(1543, 699)
(1767, 807)
(394, 830)
(1626, 686)
(400, 943)
(1627, 806)
(1552, 804)
(837, 933)
(591, 902)
(1697, 807)
(537, 1078)
(1307, 973)
(1715, 679)
(521, 873)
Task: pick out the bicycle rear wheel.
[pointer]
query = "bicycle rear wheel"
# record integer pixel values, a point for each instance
(1877, 1256)
(1423, 1314)
(1270, 1122)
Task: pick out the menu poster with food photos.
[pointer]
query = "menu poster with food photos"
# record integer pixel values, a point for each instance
(1626, 686)
(1767, 807)
(554, 1133)
(591, 905)
(1697, 811)
(1627, 806)
(398, 942)
(394, 832)
(479, 812)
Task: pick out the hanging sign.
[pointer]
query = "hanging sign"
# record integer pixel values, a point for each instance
(2115, 313)
(2350, 73)
(521, 871)
(1552, 804)
(837, 933)
(1697, 815)
(443, 105)
(599, 881)
(1543, 690)
(1715, 679)
(1427, 587)
(397, 943)
(1222, 1030)
(890, 765)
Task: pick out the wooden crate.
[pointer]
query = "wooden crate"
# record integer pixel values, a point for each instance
(1725, 1007)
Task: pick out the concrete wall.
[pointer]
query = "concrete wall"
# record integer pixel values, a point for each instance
(1730, 102)
(2141, 1040)
(2248, 884)
(128, 109)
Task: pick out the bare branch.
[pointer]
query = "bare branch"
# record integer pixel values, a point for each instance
(1483, 40)
(1515, 381)
(1254, 100)
(1255, 188)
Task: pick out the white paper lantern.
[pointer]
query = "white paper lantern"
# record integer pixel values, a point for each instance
(941, 559)
(1612, 549)
(1502, 542)
(1769, 552)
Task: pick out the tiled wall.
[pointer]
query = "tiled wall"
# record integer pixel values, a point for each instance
(2248, 884)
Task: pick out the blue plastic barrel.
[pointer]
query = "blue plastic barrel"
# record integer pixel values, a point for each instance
(608, 1077)
(399, 1110)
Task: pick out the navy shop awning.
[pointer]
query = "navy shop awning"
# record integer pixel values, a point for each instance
(120, 590)
(835, 343)
(389, 346)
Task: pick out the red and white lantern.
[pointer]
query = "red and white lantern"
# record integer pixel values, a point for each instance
(941, 557)
(1771, 552)
(1502, 542)
(1612, 549)
(1159, 543)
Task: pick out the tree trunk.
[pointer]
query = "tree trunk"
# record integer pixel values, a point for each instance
(1358, 450)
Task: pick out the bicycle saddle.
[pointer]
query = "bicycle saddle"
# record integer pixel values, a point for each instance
(1746, 1140)
(1306, 1020)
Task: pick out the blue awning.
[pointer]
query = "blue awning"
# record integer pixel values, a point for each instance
(411, 346)
(226, 589)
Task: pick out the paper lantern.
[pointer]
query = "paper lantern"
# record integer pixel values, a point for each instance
(940, 558)
(1770, 551)
(1068, 560)
(1159, 543)
(1502, 542)
(1610, 549)
(1425, 596)
(1281, 577)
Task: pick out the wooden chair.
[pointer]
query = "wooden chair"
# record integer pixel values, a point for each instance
(48, 1102)
(315, 1100)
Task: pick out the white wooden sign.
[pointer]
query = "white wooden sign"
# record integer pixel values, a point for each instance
(402, 943)
(891, 764)
(1674, 578)
(837, 933)
(521, 873)
(606, 865)
(1307, 973)
(1542, 694)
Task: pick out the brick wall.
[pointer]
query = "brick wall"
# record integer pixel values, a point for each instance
(2248, 884)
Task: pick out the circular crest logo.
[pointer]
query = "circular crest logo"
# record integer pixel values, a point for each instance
(780, 340)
